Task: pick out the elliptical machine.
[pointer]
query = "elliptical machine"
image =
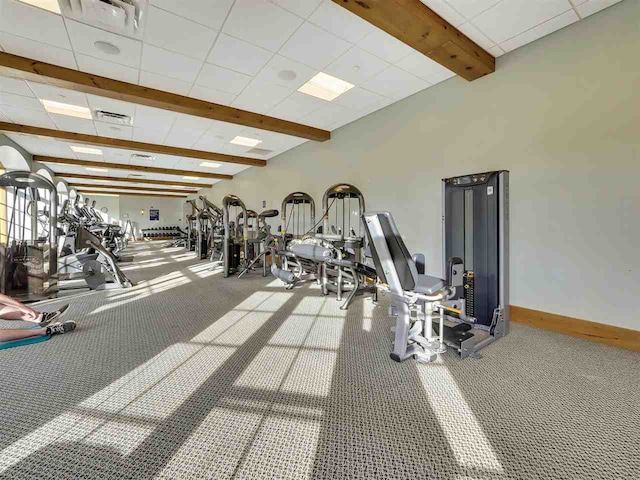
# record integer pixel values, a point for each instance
(82, 254)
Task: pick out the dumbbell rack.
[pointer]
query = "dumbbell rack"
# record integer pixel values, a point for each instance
(161, 233)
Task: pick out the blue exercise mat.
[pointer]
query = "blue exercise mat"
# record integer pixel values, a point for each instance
(24, 341)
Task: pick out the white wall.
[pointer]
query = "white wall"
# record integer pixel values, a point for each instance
(171, 211)
(112, 204)
(562, 114)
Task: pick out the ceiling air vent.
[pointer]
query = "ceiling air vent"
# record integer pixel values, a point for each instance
(260, 151)
(117, 16)
(135, 175)
(110, 117)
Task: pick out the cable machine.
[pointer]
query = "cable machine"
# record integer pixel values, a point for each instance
(298, 215)
(475, 220)
(236, 241)
(343, 206)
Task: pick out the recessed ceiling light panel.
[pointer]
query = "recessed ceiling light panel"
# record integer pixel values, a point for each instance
(325, 87)
(87, 150)
(94, 169)
(66, 109)
(210, 165)
(51, 5)
(245, 141)
(191, 178)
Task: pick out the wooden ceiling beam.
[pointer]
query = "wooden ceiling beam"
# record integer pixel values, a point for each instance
(33, 70)
(80, 176)
(132, 168)
(126, 187)
(97, 141)
(416, 25)
(111, 192)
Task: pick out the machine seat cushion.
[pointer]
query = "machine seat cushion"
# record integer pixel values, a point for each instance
(429, 285)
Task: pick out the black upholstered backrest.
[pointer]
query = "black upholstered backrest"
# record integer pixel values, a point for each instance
(389, 251)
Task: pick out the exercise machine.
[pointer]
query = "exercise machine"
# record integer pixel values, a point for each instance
(297, 226)
(216, 228)
(192, 226)
(264, 243)
(335, 254)
(235, 241)
(28, 264)
(475, 228)
(468, 309)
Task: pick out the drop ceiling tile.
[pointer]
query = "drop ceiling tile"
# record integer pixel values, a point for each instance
(238, 55)
(177, 34)
(222, 131)
(35, 118)
(169, 64)
(36, 50)
(356, 66)
(231, 149)
(340, 22)
(395, 83)
(83, 37)
(111, 105)
(30, 22)
(107, 69)
(422, 66)
(49, 92)
(260, 97)
(208, 143)
(476, 35)
(211, 13)
(186, 130)
(261, 23)
(357, 99)
(326, 116)
(470, 8)
(302, 8)
(272, 140)
(353, 116)
(114, 131)
(160, 82)
(508, 19)
(73, 124)
(286, 73)
(594, 6)
(20, 101)
(222, 79)
(540, 31)
(383, 45)
(149, 135)
(165, 161)
(56, 148)
(4, 118)
(442, 8)
(295, 107)
(153, 118)
(15, 87)
(314, 47)
(211, 95)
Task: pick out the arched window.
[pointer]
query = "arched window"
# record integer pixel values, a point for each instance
(42, 212)
(12, 208)
(63, 194)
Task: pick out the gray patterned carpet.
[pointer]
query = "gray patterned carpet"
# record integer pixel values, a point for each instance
(190, 375)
